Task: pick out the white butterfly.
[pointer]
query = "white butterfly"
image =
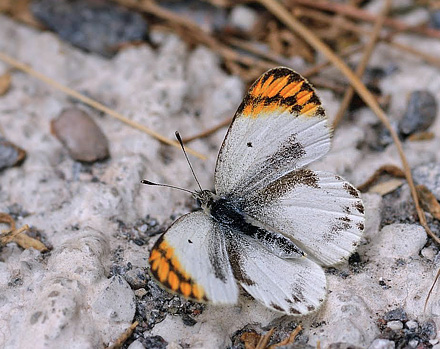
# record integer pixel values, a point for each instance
(271, 223)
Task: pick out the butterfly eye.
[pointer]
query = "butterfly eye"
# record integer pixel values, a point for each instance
(199, 203)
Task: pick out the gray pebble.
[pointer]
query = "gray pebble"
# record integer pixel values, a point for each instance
(412, 325)
(382, 344)
(395, 325)
(396, 314)
(434, 16)
(420, 113)
(77, 131)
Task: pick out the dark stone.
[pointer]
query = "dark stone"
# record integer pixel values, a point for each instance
(396, 314)
(136, 278)
(93, 25)
(434, 17)
(188, 320)
(420, 113)
(154, 342)
(10, 154)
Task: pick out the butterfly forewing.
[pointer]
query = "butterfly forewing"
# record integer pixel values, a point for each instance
(279, 126)
(190, 259)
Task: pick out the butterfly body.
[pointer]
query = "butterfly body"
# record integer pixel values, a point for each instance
(271, 224)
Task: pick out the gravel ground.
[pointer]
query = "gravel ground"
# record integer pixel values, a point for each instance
(101, 223)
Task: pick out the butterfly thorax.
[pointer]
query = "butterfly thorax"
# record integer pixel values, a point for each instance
(227, 212)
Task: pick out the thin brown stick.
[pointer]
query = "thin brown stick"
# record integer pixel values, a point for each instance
(431, 289)
(389, 169)
(288, 340)
(94, 104)
(250, 47)
(121, 340)
(195, 32)
(357, 13)
(209, 131)
(262, 343)
(317, 15)
(284, 16)
(360, 69)
(317, 68)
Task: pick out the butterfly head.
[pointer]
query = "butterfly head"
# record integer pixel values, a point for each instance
(205, 199)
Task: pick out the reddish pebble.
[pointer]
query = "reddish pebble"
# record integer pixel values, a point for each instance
(77, 131)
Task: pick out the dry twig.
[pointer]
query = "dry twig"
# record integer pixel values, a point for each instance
(284, 16)
(375, 34)
(389, 169)
(359, 14)
(94, 104)
(121, 340)
(17, 236)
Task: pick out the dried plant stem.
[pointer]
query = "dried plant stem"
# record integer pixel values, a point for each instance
(195, 32)
(92, 103)
(285, 17)
(357, 13)
(262, 343)
(317, 68)
(319, 16)
(363, 63)
(123, 338)
(209, 131)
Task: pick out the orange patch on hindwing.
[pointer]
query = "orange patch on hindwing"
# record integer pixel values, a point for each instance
(280, 91)
(167, 269)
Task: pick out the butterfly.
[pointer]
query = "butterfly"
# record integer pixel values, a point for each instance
(271, 224)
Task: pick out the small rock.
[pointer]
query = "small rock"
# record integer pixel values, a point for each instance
(137, 344)
(155, 342)
(428, 175)
(10, 154)
(140, 292)
(396, 314)
(243, 18)
(95, 26)
(136, 278)
(434, 16)
(395, 325)
(429, 252)
(77, 131)
(420, 113)
(382, 344)
(188, 320)
(210, 18)
(428, 329)
(412, 325)
(398, 241)
(413, 343)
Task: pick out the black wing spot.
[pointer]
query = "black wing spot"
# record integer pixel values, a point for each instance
(190, 241)
(249, 144)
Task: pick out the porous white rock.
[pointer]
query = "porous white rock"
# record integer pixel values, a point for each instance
(398, 241)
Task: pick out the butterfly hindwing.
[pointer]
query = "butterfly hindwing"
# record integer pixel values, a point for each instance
(279, 126)
(291, 286)
(190, 259)
(321, 212)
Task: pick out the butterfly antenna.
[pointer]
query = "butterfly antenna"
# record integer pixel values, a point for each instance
(186, 156)
(144, 181)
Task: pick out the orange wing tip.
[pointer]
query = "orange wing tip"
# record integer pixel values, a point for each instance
(166, 268)
(278, 90)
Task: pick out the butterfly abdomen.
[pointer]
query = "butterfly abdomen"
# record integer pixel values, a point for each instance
(228, 214)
